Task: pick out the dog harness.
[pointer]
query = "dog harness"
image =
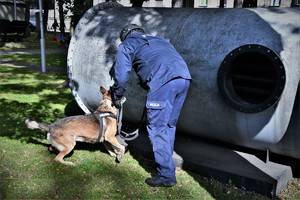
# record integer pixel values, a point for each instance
(100, 116)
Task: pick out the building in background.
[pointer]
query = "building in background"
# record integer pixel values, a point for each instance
(215, 3)
(54, 13)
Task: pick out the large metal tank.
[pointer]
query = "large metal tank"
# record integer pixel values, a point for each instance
(245, 65)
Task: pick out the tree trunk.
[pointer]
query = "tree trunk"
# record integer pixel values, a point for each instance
(137, 3)
(188, 3)
(249, 3)
(222, 2)
(61, 16)
(177, 3)
(238, 4)
(45, 15)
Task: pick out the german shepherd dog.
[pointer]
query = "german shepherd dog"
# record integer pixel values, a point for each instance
(64, 133)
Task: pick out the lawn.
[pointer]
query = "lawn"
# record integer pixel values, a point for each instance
(29, 172)
(57, 60)
(32, 42)
(27, 168)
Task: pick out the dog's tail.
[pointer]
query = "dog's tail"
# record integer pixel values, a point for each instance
(36, 125)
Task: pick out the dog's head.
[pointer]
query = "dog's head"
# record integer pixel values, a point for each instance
(106, 103)
(105, 93)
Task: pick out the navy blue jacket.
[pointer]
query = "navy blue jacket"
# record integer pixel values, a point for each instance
(154, 60)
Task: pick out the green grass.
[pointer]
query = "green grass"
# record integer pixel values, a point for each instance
(52, 60)
(28, 171)
(32, 42)
(57, 60)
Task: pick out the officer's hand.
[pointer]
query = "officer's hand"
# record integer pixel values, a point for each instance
(111, 91)
(118, 103)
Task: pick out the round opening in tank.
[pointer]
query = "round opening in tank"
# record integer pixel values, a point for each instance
(251, 78)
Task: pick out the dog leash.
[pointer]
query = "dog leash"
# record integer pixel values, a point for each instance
(124, 135)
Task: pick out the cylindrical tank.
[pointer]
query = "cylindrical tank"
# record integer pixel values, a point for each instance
(245, 65)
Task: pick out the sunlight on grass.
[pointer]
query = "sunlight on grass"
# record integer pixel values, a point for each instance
(32, 173)
(57, 106)
(22, 98)
(27, 88)
(28, 169)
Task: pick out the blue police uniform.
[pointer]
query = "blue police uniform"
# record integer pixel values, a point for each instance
(165, 75)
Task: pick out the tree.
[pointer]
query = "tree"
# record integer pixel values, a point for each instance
(176, 3)
(61, 16)
(45, 15)
(249, 3)
(238, 4)
(27, 16)
(295, 3)
(222, 2)
(188, 3)
(137, 3)
(77, 8)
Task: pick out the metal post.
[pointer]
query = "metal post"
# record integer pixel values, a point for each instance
(42, 39)
(15, 10)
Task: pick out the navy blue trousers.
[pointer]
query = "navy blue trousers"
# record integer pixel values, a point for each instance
(163, 110)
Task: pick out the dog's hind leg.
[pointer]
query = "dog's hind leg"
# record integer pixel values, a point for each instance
(65, 145)
(61, 155)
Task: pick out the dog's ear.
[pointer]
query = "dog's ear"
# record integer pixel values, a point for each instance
(103, 90)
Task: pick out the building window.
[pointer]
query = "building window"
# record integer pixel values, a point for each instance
(203, 3)
(250, 3)
(295, 3)
(225, 3)
(276, 3)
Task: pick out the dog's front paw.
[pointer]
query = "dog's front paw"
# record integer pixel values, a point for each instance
(69, 163)
(64, 162)
(119, 158)
(112, 154)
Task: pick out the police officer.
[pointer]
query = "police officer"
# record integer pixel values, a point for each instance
(165, 76)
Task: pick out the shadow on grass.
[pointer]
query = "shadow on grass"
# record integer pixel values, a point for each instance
(18, 101)
(14, 111)
(100, 176)
(26, 93)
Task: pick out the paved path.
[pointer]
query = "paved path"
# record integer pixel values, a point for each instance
(17, 64)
